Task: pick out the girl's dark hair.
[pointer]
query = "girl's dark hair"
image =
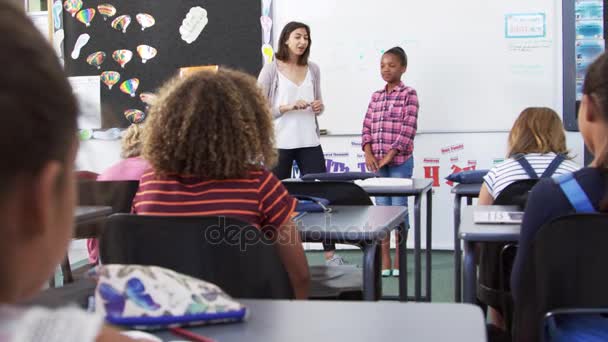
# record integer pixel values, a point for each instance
(39, 112)
(398, 51)
(283, 51)
(596, 88)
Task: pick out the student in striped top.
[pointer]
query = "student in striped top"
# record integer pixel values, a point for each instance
(209, 140)
(538, 137)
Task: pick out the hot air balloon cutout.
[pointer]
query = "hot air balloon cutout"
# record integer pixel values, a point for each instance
(147, 98)
(135, 116)
(122, 57)
(130, 86)
(121, 23)
(72, 6)
(86, 16)
(145, 20)
(110, 78)
(96, 59)
(106, 11)
(146, 53)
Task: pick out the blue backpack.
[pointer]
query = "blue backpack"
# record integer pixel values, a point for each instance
(588, 327)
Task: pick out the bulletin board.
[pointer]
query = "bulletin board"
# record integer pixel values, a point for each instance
(136, 45)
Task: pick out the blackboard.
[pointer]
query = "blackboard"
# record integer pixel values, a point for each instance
(232, 38)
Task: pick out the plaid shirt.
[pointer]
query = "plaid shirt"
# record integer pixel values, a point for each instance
(391, 123)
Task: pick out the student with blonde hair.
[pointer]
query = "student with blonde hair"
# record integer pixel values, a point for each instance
(132, 166)
(210, 141)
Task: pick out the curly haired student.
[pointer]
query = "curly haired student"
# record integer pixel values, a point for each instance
(209, 141)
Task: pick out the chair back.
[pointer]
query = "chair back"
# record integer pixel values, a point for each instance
(566, 270)
(224, 251)
(516, 193)
(116, 194)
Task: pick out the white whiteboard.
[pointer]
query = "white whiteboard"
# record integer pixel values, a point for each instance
(468, 74)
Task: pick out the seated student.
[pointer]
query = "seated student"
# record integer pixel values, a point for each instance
(537, 138)
(132, 166)
(128, 169)
(209, 139)
(547, 201)
(37, 185)
(537, 142)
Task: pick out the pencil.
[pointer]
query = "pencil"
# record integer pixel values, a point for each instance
(190, 335)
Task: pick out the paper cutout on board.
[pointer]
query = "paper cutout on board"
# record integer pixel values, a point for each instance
(121, 23)
(106, 11)
(135, 116)
(87, 91)
(110, 78)
(130, 86)
(193, 24)
(147, 98)
(72, 6)
(96, 59)
(86, 16)
(57, 8)
(58, 37)
(185, 71)
(145, 20)
(82, 40)
(122, 57)
(268, 53)
(146, 53)
(266, 7)
(266, 28)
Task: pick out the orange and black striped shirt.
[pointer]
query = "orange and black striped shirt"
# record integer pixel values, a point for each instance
(260, 199)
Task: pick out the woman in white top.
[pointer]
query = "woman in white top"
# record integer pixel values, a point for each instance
(292, 85)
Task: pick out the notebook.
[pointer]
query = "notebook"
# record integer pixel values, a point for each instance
(498, 216)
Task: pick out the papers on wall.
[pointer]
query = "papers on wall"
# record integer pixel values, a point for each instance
(87, 90)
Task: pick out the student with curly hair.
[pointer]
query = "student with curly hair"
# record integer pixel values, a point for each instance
(209, 139)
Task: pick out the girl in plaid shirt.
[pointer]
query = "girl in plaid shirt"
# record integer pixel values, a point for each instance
(388, 135)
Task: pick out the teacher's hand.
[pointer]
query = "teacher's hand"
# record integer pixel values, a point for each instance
(317, 106)
(300, 104)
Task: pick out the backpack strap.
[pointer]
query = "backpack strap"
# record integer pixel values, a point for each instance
(555, 163)
(575, 194)
(521, 159)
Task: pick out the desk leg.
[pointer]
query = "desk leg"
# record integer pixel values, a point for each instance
(469, 200)
(402, 241)
(470, 273)
(66, 271)
(417, 258)
(457, 251)
(372, 282)
(429, 242)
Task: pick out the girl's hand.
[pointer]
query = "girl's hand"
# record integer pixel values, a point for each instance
(317, 106)
(371, 162)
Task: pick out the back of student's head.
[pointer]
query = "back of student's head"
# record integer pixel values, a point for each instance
(131, 141)
(537, 130)
(210, 124)
(37, 147)
(37, 109)
(595, 88)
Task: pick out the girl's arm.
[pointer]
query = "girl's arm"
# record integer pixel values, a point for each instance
(410, 124)
(265, 82)
(291, 253)
(366, 134)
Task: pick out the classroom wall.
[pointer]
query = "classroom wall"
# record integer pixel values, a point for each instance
(435, 155)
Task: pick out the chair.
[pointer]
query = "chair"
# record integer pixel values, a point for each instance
(564, 272)
(496, 258)
(334, 282)
(83, 174)
(227, 252)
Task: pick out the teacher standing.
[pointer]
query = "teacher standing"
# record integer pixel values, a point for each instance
(293, 86)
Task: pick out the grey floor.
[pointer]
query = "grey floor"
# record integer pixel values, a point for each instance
(442, 275)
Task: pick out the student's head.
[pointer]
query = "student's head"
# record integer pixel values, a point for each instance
(537, 130)
(294, 41)
(38, 146)
(213, 125)
(593, 111)
(393, 65)
(131, 141)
